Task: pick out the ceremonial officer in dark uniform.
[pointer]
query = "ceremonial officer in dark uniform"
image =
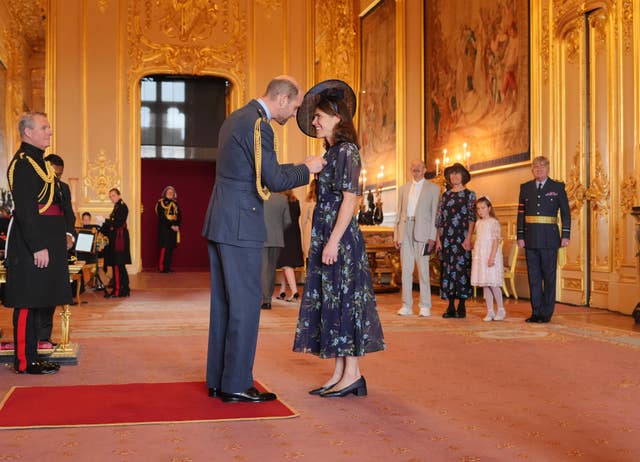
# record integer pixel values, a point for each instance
(169, 219)
(235, 229)
(538, 205)
(118, 253)
(36, 253)
(45, 324)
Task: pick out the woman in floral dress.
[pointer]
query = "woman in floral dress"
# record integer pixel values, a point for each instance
(338, 313)
(454, 223)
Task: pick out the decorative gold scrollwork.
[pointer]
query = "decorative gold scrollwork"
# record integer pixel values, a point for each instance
(598, 192)
(102, 175)
(575, 189)
(628, 194)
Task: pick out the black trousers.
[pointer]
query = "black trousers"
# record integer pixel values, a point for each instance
(45, 322)
(120, 281)
(542, 265)
(166, 253)
(25, 337)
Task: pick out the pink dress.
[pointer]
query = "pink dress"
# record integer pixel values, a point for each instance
(487, 230)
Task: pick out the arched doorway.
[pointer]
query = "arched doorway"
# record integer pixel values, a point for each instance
(180, 120)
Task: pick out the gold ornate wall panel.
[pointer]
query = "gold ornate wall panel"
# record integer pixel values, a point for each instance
(335, 41)
(188, 37)
(590, 120)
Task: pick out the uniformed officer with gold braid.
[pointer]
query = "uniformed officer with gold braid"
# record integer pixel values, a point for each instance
(36, 252)
(169, 220)
(538, 205)
(235, 231)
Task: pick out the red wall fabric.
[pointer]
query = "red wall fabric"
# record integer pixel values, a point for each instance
(193, 181)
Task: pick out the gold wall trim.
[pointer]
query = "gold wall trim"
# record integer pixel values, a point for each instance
(147, 53)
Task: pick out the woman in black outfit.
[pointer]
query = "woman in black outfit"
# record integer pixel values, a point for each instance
(291, 255)
(117, 254)
(169, 219)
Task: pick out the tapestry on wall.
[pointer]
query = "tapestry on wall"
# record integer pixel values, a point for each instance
(377, 98)
(477, 82)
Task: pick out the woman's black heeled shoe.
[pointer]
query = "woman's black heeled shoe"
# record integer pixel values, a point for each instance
(319, 391)
(294, 297)
(281, 296)
(358, 388)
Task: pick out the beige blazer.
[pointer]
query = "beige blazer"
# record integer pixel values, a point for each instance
(426, 209)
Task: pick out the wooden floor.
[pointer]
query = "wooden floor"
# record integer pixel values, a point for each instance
(445, 390)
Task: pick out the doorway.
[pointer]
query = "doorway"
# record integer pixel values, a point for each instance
(180, 117)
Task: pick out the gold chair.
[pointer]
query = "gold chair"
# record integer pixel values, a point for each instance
(510, 269)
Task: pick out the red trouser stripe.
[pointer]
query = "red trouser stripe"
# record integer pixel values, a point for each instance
(116, 273)
(21, 341)
(161, 263)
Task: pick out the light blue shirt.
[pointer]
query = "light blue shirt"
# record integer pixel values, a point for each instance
(266, 110)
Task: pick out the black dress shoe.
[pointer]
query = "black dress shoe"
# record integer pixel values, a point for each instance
(461, 314)
(251, 395)
(543, 319)
(108, 294)
(319, 391)
(214, 392)
(265, 306)
(358, 388)
(449, 314)
(40, 367)
(533, 318)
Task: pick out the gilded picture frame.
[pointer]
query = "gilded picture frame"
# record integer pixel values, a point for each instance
(477, 95)
(378, 98)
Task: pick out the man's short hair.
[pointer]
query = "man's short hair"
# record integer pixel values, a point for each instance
(540, 160)
(280, 86)
(86, 214)
(55, 159)
(26, 121)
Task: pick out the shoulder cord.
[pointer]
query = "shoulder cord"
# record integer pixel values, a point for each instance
(257, 147)
(49, 179)
(170, 209)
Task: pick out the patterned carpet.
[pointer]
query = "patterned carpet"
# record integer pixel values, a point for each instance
(444, 390)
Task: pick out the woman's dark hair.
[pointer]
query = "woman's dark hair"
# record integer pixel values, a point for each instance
(344, 130)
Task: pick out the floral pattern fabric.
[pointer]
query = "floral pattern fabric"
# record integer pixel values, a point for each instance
(338, 312)
(455, 212)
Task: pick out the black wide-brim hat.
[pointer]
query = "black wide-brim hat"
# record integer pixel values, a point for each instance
(457, 167)
(333, 90)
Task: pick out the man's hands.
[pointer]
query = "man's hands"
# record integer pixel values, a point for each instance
(315, 163)
(41, 258)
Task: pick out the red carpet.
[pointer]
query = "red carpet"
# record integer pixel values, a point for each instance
(126, 404)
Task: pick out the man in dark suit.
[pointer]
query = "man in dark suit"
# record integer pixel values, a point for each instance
(36, 251)
(45, 322)
(235, 230)
(537, 230)
(276, 219)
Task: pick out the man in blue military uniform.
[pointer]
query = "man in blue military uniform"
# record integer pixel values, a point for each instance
(235, 231)
(538, 205)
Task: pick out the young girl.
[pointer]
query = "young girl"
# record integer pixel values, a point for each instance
(486, 267)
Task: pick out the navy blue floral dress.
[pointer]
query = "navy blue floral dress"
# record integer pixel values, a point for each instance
(456, 211)
(338, 313)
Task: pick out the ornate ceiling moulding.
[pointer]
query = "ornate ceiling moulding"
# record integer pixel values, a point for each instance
(194, 37)
(335, 40)
(101, 176)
